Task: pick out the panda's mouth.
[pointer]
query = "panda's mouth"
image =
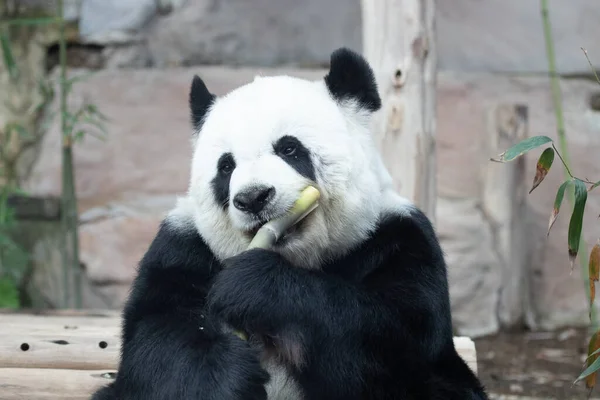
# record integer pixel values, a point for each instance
(252, 232)
(293, 229)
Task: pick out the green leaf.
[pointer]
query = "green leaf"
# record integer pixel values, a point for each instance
(576, 223)
(31, 21)
(589, 370)
(79, 135)
(543, 166)
(560, 194)
(9, 295)
(522, 147)
(97, 124)
(81, 77)
(593, 354)
(93, 110)
(594, 186)
(8, 57)
(21, 131)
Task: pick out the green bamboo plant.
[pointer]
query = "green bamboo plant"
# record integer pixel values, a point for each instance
(75, 124)
(577, 191)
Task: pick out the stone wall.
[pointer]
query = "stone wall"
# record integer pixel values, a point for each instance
(503, 269)
(473, 35)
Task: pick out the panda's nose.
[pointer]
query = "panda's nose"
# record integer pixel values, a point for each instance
(254, 199)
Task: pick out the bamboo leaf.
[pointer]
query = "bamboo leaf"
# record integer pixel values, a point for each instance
(593, 354)
(8, 57)
(93, 110)
(97, 124)
(9, 295)
(522, 147)
(560, 194)
(592, 363)
(21, 131)
(594, 272)
(576, 223)
(594, 186)
(79, 135)
(31, 21)
(543, 166)
(81, 77)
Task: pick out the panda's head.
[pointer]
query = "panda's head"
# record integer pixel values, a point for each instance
(258, 147)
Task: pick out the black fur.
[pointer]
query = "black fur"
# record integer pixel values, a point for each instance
(220, 183)
(293, 152)
(171, 348)
(351, 78)
(200, 100)
(372, 325)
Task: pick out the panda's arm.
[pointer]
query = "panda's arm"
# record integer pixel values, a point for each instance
(379, 317)
(171, 347)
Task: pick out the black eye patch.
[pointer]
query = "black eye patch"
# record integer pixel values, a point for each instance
(296, 155)
(220, 183)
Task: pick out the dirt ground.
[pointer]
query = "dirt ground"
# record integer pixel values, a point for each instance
(540, 365)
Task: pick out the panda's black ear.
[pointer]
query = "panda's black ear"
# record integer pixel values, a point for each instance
(200, 101)
(350, 77)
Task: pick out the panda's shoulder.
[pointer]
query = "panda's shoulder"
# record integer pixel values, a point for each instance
(178, 244)
(408, 229)
(400, 242)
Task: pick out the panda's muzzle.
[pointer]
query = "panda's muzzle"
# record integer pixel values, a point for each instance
(253, 199)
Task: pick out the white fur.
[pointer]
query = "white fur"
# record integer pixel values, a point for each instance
(355, 186)
(350, 175)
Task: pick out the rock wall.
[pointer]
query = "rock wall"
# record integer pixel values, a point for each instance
(490, 36)
(503, 270)
(235, 32)
(473, 35)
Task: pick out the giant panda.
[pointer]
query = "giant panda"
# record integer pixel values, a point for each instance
(352, 303)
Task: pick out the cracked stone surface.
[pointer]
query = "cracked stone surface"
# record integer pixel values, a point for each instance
(267, 33)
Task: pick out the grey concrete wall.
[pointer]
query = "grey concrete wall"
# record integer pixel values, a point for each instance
(473, 35)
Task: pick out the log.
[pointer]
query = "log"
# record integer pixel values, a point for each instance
(99, 348)
(399, 43)
(51, 384)
(40, 359)
(58, 351)
(59, 322)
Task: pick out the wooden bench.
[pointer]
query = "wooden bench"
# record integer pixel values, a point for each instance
(67, 354)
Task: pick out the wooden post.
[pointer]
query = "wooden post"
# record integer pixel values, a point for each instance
(504, 198)
(399, 43)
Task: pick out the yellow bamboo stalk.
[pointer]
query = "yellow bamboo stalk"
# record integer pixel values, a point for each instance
(272, 231)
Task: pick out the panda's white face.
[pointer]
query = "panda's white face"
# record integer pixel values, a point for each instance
(259, 146)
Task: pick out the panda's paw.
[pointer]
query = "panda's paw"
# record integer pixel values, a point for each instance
(245, 292)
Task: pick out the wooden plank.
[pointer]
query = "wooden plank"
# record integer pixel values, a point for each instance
(97, 348)
(41, 360)
(58, 351)
(88, 343)
(73, 384)
(58, 322)
(27, 312)
(51, 384)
